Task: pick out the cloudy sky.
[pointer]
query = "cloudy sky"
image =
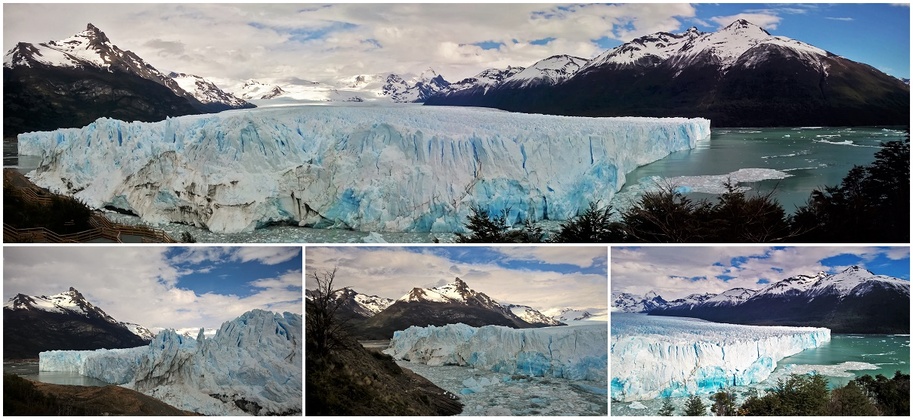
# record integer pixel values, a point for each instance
(543, 277)
(675, 272)
(229, 43)
(162, 287)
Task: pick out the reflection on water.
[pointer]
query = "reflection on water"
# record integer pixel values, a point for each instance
(29, 370)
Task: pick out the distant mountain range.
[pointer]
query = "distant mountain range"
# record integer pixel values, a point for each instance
(393, 87)
(852, 301)
(65, 321)
(375, 317)
(74, 81)
(740, 75)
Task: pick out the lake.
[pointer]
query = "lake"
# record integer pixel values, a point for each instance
(805, 157)
(29, 370)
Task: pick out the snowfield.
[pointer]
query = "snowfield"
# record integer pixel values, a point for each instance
(656, 356)
(384, 169)
(252, 365)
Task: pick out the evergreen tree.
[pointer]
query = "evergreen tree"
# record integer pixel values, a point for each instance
(593, 226)
(485, 228)
(723, 403)
(667, 409)
(695, 407)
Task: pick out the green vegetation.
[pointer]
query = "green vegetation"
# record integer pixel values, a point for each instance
(871, 204)
(21, 398)
(667, 409)
(808, 395)
(695, 407)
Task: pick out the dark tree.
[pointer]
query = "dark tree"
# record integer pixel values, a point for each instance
(667, 409)
(695, 407)
(666, 216)
(871, 204)
(485, 228)
(851, 400)
(593, 226)
(891, 395)
(723, 403)
(324, 331)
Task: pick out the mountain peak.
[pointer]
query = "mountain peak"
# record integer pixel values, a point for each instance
(744, 26)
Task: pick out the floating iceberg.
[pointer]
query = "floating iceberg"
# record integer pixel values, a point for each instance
(252, 365)
(383, 169)
(656, 356)
(575, 352)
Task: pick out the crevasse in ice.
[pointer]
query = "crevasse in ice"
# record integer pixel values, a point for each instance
(408, 168)
(656, 356)
(253, 361)
(573, 352)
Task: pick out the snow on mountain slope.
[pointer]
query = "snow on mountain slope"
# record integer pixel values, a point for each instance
(485, 80)
(853, 280)
(456, 291)
(332, 166)
(727, 45)
(139, 330)
(627, 302)
(731, 297)
(71, 302)
(206, 91)
(792, 285)
(361, 88)
(576, 352)
(531, 315)
(649, 50)
(252, 365)
(690, 356)
(552, 70)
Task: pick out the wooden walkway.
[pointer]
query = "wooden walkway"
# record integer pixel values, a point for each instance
(103, 230)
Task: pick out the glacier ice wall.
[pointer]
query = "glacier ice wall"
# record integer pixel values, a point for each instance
(253, 361)
(115, 366)
(576, 352)
(397, 168)
(655, 356)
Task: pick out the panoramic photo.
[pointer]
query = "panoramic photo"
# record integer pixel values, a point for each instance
(477, 331)
(401, 123)
(162, 331)
(757, 331)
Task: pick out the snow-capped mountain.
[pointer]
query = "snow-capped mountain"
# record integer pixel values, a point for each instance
(253, 89)
(139, 330)
(360, 88)
(646, 51)
(362, 304)
(627, 302)
(74, 81)
(550, 71)
(65, 321)
(854, 301)
(208, 93)
(451, 303)
(531, 315)
(740, 75)
(569, 314)
(484, 81)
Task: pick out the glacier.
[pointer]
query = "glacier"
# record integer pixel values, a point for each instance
(369, 168)
(570, 352)
(657, 356)
(252, 365)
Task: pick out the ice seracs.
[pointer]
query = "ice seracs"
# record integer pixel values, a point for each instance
(331, 166)
(252, 365)
(686, 356)
(576, 352)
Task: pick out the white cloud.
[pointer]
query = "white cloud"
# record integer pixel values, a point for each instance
(574, 255)
(670, 271)
(393, 272)
(233, 42)
(140, 284)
